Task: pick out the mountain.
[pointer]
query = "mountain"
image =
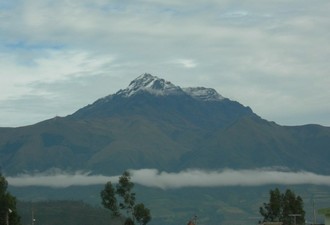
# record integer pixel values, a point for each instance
(156, 124)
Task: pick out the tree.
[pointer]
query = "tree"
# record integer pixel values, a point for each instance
(141, 214)
(272, 210)
(293, 212)
(286, 208)
(8, 212)
(109, 200)
(123, 191)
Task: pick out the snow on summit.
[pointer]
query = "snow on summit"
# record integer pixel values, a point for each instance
(157, 86)
(152, 84)
(202, 93)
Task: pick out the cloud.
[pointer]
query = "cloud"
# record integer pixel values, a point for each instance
(37, 85)
(187, 178)
(59, 179)
(186, 63)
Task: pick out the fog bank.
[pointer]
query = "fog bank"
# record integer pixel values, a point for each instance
(166, 180)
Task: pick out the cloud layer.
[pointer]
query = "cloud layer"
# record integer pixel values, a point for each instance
(188, 178)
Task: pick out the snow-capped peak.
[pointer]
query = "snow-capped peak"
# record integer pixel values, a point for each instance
(152, 84)
(157, 86)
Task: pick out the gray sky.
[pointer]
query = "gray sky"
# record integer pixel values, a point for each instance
(58, 56)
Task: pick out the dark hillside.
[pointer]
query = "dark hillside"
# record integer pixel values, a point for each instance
(64, 212)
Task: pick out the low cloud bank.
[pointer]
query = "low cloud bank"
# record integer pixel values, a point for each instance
(60, 179)
(165, 180)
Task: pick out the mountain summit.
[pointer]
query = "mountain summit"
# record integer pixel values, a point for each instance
(157, 86)
(154, 97)
(152, 84)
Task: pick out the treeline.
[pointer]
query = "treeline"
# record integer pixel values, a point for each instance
(63, 212)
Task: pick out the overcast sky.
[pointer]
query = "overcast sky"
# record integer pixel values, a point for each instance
(58, 56)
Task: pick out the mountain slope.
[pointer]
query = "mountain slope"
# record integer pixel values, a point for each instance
(155, 124)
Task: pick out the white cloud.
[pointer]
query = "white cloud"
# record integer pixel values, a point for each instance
(59, 180)
(51, 66)
(187, 178)
(186, 63)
